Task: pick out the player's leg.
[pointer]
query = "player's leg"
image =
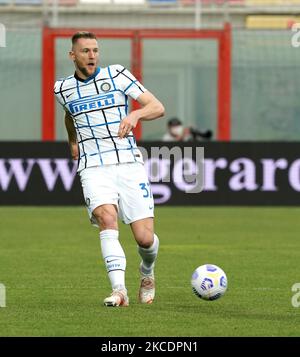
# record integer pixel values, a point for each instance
(137, 209)
(148, 245)
(112, 253)
(101, 197)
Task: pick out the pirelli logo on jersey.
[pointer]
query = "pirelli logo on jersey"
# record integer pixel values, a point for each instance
(89, 103)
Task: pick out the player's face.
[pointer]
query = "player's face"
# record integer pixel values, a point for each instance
(85, 55)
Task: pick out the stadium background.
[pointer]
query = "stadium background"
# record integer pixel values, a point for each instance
(264, 98)
(45, 288)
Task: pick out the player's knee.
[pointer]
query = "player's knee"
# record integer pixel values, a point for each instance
(106, 218)
(145, 238)
(143, 232)
(106, 221)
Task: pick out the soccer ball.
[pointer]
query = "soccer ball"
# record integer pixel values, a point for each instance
(209, 282)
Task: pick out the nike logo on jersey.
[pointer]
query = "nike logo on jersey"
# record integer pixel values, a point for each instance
(90, 103)
(69, 95)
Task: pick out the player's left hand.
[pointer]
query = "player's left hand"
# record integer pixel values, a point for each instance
(127, 124)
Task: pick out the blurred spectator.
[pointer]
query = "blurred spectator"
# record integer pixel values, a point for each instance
(177, 132)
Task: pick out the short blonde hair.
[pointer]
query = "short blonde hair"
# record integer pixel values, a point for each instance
(82, 34)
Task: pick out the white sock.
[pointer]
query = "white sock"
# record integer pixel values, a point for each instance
(114, 257)
(148, 256)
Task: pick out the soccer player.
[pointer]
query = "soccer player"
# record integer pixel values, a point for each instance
(110, 165)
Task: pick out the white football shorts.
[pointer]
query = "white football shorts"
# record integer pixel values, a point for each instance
(124, 185)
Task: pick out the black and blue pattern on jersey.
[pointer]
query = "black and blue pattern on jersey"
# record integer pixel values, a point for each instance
(126, 110)
(91, 129)
(97, 106)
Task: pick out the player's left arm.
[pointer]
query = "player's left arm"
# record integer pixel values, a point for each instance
(151, 109)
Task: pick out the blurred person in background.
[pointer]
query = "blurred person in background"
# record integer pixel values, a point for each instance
(177, 132)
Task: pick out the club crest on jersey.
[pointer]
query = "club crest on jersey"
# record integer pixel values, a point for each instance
(105, 87)
(89, 103)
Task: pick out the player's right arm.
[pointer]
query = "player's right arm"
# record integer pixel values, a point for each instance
(72, 136)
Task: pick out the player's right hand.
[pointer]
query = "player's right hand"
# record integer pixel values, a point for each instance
(128, 123)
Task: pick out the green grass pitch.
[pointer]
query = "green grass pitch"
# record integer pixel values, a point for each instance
(55, 279)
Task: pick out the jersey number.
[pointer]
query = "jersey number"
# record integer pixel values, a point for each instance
(146, 188)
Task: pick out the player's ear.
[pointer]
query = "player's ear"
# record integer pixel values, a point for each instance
(72, 55)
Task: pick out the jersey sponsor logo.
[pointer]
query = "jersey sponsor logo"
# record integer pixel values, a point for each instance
(86, 104)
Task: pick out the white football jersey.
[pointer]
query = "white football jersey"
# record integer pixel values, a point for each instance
(97, 106)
